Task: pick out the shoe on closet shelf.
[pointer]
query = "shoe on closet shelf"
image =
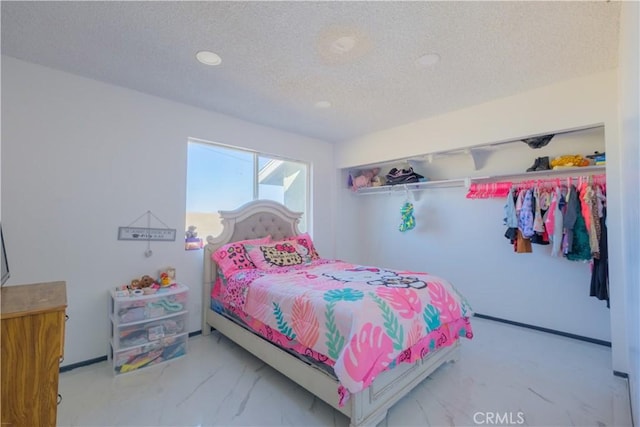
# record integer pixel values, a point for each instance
(403, 176)
(399, 173)
(540, 164)
(534, 166)
(544, 164)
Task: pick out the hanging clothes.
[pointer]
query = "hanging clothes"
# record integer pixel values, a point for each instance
(554, 220)
(538, 223)
(591, 219)
(572, 219)
(540, 236)
(600, 272)
(522, 245)
(576, 235)
(525, 216)
(510, 217)
(571, 213)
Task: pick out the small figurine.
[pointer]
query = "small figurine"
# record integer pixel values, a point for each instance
(191, 241)
(191, 232)
(167, 277)
(165, 280)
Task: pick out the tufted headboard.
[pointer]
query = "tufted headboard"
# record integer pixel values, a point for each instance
(252, 220)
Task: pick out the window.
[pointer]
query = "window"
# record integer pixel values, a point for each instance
(224, 178)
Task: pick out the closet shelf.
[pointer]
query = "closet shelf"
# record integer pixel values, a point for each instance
(465, 182)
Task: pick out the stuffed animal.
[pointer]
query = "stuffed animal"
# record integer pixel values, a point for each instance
(378, 181)
(365, 178)
(146, 281)
(191, 232)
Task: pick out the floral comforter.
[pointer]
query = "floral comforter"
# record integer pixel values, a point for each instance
(362, 319)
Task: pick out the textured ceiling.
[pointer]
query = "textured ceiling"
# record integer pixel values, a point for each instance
(277, 60)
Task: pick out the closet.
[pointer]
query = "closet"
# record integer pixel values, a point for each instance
(463, 240)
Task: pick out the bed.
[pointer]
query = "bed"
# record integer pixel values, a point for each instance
(366, 398)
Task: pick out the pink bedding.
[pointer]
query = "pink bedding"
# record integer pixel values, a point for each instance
(360, 320)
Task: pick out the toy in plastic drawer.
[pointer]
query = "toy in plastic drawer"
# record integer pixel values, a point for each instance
(150, 354)
(152, 330)
(141, 308)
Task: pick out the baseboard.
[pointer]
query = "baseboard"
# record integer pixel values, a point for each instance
(541, 329)
(68, 368)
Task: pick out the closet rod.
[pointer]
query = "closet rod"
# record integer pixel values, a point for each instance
(414, 186)
(548, 174)
(467, 181)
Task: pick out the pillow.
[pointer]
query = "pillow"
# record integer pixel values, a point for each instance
(276, 254)
(233, 257)
(305, 240)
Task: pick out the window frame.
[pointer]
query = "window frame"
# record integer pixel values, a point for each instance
(256, 172)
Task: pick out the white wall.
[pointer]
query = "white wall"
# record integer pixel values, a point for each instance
(572, 104)
(629, 91)
(80, 158)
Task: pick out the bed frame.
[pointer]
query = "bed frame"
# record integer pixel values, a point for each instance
(369, 407)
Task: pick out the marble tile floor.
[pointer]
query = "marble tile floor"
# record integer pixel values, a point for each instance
(535, 378)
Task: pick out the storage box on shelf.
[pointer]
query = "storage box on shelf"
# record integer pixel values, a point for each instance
(147, 330)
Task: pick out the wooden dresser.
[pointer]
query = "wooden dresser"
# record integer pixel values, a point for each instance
(32, 341)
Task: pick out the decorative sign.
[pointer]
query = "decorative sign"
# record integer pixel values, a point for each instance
(146, 233)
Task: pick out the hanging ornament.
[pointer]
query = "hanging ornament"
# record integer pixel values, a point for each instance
(408, 220)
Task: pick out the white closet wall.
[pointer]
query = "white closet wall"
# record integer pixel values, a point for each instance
(462, 240)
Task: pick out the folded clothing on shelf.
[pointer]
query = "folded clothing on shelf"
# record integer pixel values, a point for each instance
(597, 157)
(569, 160)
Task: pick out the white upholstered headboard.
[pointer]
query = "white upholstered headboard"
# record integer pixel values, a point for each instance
(252, 220)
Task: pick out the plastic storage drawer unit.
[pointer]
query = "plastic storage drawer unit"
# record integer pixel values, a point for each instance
(148, 329)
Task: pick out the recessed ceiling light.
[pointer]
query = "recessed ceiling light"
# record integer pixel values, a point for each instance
(343, 45)
(323, 104)
(428, 60)
(208, 58)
